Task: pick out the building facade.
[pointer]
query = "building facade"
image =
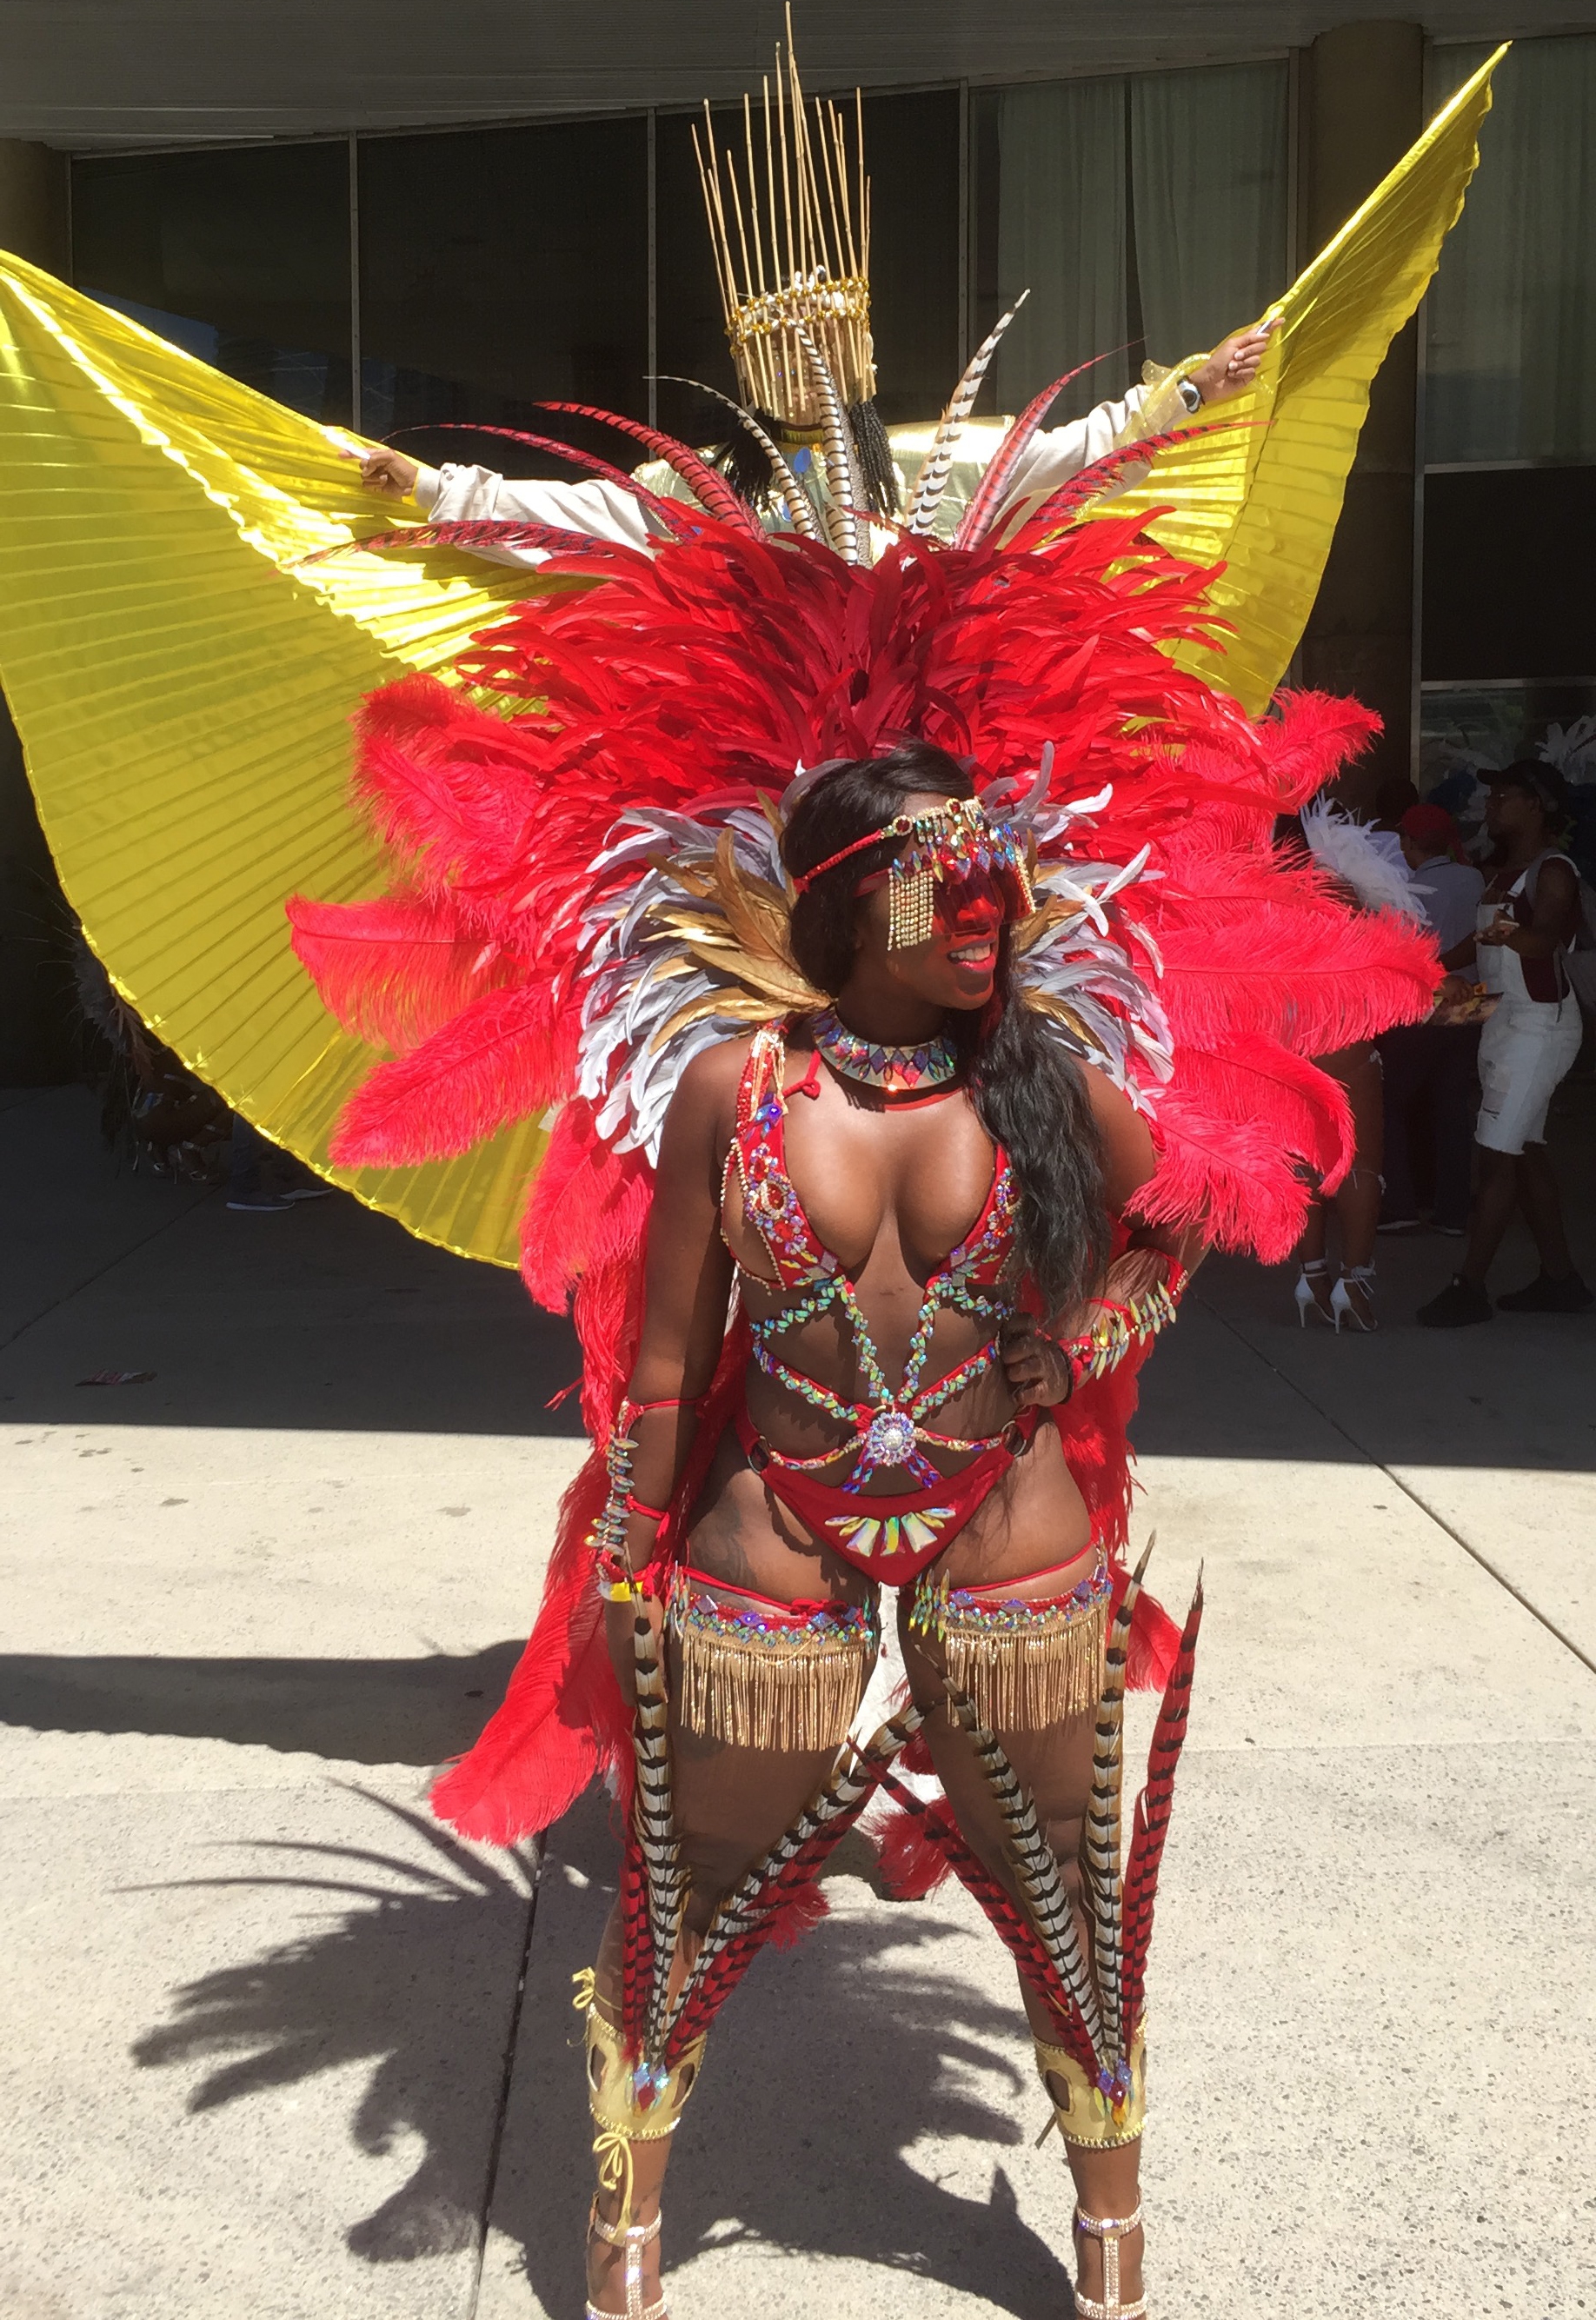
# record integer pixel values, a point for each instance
(426, 275)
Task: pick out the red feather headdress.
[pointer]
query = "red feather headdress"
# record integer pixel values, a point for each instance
(589, 889)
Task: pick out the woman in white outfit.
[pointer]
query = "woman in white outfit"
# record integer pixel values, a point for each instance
(1527, 916)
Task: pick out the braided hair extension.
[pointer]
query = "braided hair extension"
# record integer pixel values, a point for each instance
(748, 470)
(1027, 1090)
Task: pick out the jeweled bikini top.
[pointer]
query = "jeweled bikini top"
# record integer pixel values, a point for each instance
(886, 1431)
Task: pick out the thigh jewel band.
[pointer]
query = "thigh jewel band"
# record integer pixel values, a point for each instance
(1024, 1663)
(762, 1674)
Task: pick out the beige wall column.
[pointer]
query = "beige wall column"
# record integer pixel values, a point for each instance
(1363, 105)
(37, 1046)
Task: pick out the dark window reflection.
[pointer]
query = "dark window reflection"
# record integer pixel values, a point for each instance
(497, 267)
(912, 153)
(241, 257)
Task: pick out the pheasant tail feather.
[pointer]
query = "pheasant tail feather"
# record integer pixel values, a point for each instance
(1152, 1819)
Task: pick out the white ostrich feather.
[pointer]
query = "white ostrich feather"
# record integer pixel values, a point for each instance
(1369, 861)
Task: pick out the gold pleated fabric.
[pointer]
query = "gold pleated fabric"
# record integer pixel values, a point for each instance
(1265, 498)
(184, 696)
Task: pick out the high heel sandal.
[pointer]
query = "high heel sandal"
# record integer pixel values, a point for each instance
(1315, 1273)
(633, 2238)
(1354, 1305)
(1111, 2230)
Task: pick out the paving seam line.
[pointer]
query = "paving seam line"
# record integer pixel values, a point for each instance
(506, 2073)
(1407, 1491)
(109, 1265)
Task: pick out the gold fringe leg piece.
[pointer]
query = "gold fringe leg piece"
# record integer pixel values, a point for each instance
(1026, 1666)
(794, 1689)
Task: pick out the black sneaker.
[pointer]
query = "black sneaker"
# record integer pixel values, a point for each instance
(1569, 1295)
(1458, 1304)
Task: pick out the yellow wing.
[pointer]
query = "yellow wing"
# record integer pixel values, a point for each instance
(1266, 499)
(185, 708)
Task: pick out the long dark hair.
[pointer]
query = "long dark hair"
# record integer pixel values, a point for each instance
(748, 470)
(1027, 1093)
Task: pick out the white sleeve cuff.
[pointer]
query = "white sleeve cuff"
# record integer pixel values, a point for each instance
(426, 487)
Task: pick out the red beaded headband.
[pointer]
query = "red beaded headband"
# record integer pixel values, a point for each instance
(900, 827)
(951, 841)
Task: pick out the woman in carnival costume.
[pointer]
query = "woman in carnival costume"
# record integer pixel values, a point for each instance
(891, 912)
(894, 906)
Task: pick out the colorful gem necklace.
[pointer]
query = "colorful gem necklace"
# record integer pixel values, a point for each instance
(895, 1070)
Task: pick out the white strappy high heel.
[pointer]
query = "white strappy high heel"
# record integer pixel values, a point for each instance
(1111, 2230)
(1354, 1305)
(633, 2238)
(1313, 1276)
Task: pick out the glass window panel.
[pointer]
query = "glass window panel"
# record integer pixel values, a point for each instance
(498, 268)
(1145, 215)
(241, 256)
(1499, 600)
(911, 157)
(1053, 223)
(1209, 188)
(1510, 320)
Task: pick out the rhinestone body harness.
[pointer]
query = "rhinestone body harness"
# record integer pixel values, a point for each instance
(886, 1431)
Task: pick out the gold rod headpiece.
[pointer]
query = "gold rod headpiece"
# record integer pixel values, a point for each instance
(801, 206)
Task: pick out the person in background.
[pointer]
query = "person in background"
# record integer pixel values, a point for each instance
(1349, 1298)
(1429, 1068)
(1527, 918)
(263, 1180)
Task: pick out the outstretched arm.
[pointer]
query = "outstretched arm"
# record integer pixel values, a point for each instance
(454, 494)
(1063, 451)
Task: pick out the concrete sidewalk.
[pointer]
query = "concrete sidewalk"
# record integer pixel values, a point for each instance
(280, 2048)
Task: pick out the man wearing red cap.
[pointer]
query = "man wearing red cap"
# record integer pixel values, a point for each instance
(1429, 1068)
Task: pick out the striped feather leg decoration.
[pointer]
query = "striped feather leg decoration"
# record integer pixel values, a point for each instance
(637, 1944)
(1152, 1820)
(1036, 1866)
(665, 1882)
(1013, 1929)
(1100, 1845)
(746, 1915)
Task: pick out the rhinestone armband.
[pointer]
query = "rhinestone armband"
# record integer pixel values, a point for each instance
(607, 1538)
(1117, 1328)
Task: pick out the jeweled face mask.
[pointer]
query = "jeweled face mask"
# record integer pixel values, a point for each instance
(951, 841)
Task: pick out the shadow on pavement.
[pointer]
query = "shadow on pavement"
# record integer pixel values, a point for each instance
(413, 1711)
(820, 2079)
(400, 1982)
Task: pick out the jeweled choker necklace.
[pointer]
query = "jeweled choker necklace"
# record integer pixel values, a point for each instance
(895, 1070)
